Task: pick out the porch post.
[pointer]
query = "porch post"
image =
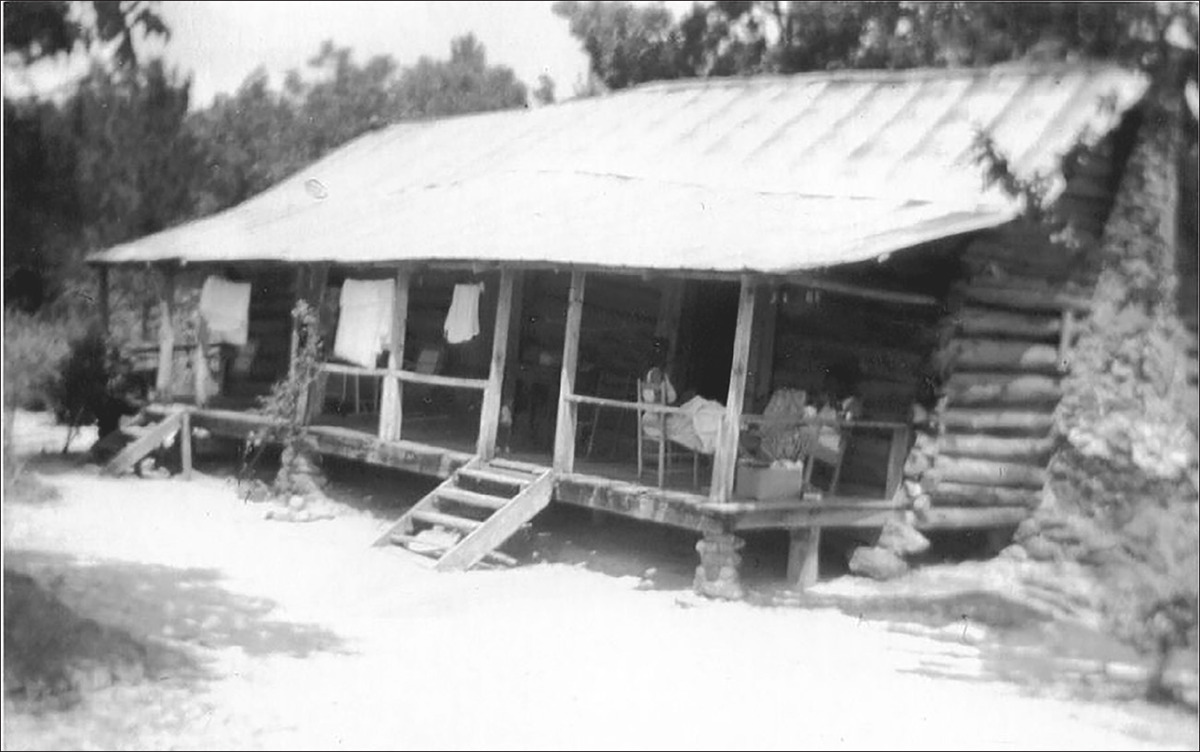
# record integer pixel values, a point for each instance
(725, 457)
(489, 414)
(166, 333)
(102, 294)
(762, 348)
(200, 362)
(391, 408)
(564, 435)
(318, 283)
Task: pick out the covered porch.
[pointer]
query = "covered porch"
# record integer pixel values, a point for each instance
(405, 415)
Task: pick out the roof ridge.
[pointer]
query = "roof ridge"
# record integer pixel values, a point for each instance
(881, 75)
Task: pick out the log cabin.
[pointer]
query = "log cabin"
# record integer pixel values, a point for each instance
(756, 237)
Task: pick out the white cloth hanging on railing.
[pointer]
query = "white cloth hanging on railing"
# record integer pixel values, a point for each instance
(225, 310)
(364, 320)
(462, 320)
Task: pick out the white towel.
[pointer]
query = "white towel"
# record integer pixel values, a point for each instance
(225, 309)
(365, 320)
(462, 321)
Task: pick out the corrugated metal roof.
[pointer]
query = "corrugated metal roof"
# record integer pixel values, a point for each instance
(770, 174)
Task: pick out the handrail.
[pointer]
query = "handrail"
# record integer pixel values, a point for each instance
(407, 376)
(649, 407)
(785, 420)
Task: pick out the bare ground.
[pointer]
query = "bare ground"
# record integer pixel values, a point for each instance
(258, 634)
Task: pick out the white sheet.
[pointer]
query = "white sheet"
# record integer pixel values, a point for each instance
(462, 320)
(696, 429)
(364, 321)
(225, 308)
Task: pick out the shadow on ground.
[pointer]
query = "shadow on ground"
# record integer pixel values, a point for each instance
(171, 608)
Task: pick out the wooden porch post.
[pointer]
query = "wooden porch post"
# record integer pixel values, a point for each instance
(200, 362)
(102, 294)
(725, 457)
(318, 283)
(489, 418)
(166, 333)
(564, 436)
(803, 566)
(391, 408)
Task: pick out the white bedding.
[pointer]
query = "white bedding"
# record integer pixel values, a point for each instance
(696, 429)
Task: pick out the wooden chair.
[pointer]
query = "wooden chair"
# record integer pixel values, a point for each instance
(611, 386)
(831, 456)
(663, 448)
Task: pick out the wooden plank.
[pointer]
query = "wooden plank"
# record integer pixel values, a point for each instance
(200, 373)
(974, 389)
(957, 518)
(987, 472)
(391, 407)
(803, 564)
(146, 443)
(408, 376)
(499, 527)
(675, 508)
(897, 455)
(1002, 448)
(725, 455)
(166, 333)
(318, 289)
(445, 520)
(952, 494)
(489, 414)
(472, 499)
(185, 444)
(1023, 421)
(866, 293)
(492, 476)
(102, 294)
(564, 435)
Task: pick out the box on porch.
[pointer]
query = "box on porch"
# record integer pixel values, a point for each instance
(766, 482)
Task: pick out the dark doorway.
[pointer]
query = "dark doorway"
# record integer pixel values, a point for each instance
(710, 321)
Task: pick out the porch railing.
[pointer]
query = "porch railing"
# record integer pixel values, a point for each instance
(402, 376)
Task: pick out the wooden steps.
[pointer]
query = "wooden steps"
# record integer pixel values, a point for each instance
(145, 444)
(462, 521)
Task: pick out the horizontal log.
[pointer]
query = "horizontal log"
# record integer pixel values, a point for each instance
(408, 376)
(971, 389)
(991, 473)
(964, 518)
(1004, 449)
(977, 321)
(999, 355)
(1021, 298)
(973, 419)
(968, 495)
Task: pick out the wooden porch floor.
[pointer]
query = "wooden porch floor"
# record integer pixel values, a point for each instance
(437, 449)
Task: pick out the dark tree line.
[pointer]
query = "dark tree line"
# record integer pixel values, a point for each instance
(628, 44)
(122, 155)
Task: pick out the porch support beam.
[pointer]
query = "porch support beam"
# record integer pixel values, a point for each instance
(725, 457)
(564, 436)
(166, 333)
(489, 418)
(391, 404)
(803, 564)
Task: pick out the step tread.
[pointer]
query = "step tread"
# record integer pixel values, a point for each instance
(492, 476)
(446, 520)
(472, 498)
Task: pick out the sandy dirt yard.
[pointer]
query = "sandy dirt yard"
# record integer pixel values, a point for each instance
(269, 635)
